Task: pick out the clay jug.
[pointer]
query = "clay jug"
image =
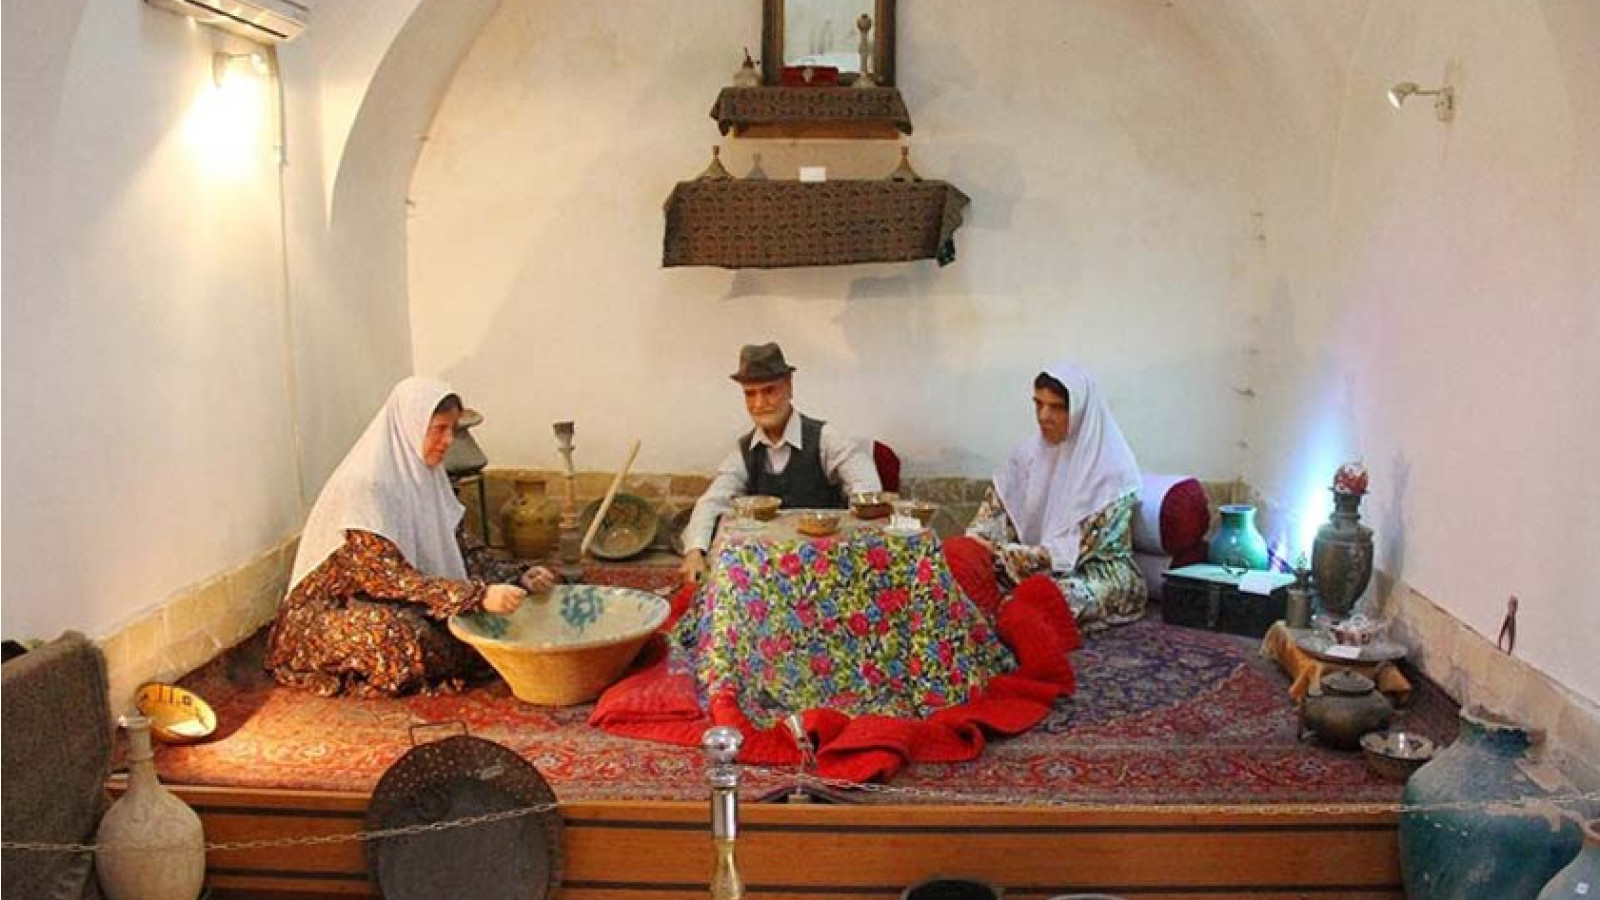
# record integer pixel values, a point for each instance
(152, 844)
(1581, 877)
(531, 520)
(1476, 825)
(1347, 707)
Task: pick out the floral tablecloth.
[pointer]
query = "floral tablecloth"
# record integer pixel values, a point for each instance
(866, 622)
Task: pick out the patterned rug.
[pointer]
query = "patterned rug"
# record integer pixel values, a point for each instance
(1163, 714)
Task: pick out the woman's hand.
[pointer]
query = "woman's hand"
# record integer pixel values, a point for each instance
(537, 580)
(503, 599)
(693, 569)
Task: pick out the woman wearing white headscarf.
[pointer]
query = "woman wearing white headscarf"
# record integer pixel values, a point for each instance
(381, 567)
(1063, 501)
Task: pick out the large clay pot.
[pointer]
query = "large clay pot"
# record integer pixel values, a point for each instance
(1581, 877)
(1238, 545)
(531, 520)
(1341, 556)
(1346, 707)
(1475, 838)
(152, 844)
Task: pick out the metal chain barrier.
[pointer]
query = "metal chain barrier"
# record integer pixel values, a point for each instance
(924, 795)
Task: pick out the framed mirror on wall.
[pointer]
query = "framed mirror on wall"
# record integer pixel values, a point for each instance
(829, 34)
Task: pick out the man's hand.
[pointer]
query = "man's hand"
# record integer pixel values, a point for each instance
(503, 599)
(537, 580)
(693, 569)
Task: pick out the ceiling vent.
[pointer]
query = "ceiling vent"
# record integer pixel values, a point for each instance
(266, 21)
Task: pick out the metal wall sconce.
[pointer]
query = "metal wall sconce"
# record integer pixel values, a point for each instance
(1444, 99)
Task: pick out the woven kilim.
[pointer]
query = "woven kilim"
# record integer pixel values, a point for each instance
(775, 224)
(739, 107)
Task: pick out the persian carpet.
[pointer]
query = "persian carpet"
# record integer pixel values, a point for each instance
(1162, 714)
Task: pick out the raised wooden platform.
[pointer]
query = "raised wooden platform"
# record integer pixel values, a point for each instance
(662, 851)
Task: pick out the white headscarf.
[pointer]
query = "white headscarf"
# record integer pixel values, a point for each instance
(384, 487)
(1049, 491)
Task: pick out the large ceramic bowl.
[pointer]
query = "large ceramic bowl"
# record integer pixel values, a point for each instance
(567, 645)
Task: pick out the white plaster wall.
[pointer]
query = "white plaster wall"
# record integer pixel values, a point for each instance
(147, 440)
(1446, 331)
(1111, 222)
(362, 83)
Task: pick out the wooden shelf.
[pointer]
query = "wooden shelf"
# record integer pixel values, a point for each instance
(819, 131)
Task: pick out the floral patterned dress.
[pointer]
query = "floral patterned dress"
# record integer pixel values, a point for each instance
(1105, 588)
(870, 624)
(366, 623)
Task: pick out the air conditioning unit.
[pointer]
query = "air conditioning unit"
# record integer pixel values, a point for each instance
(265, 21)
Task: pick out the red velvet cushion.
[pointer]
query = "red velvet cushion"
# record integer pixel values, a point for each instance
(1185, 518)
(888, 463)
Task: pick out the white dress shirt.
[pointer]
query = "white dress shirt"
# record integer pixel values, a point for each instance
(843, 461)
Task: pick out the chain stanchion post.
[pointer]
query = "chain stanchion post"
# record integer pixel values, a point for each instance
(721, 745)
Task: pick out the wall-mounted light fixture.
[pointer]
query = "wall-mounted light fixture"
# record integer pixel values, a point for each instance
(1444, 98)
(225, 65)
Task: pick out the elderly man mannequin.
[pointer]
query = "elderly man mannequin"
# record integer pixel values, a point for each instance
(802, 460)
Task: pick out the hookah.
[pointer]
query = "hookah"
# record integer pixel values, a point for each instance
(567, 552)
(721, 745)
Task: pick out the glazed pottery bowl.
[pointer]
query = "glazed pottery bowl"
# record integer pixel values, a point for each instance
(872, 504)
(817, 524)
(761, 507)
(1395, 754)
(629, 528)
(565, 646)
(177, 715)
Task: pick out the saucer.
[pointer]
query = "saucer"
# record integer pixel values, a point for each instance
(903, 531)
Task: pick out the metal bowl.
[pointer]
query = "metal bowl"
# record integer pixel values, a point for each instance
(817, 524)
(761, 507)
(1395, 754)
(872, 504)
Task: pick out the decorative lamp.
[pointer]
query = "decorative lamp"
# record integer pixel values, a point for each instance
(1341, 555)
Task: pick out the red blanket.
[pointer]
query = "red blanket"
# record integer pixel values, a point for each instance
(659, 703)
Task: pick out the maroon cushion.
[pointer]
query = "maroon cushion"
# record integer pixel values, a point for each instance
(1185, 519)
(888, 464)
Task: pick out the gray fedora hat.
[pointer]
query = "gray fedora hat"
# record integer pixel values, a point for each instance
(761, 362)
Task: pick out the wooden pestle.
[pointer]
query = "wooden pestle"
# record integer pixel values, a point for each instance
(605, 505)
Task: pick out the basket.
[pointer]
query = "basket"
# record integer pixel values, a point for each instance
(177, 715)
(566, 646)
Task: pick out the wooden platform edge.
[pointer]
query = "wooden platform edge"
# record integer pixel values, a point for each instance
(661, 850)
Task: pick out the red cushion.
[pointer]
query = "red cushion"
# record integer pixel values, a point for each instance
(1185, 519)
(888, 463)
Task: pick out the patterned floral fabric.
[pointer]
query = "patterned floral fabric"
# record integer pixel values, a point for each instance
(869, 624)
(1106, 587)
(366, 623)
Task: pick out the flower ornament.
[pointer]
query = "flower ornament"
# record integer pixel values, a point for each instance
(1350, 479)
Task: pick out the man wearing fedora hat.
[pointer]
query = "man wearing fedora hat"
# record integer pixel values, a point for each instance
(802, 460)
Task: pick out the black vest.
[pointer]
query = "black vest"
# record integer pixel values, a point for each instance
(802, 484)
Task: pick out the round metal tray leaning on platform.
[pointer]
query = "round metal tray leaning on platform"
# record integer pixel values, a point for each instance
(1321, 646)
(459, 777)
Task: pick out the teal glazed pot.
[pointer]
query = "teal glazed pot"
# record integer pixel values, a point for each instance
(1238, 545)
(1495, 846)
(1580, 880)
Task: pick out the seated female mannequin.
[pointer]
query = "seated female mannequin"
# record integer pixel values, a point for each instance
(381, 567)
(1063, 501)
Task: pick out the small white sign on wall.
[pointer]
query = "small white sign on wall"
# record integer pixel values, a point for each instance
(813, 173)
